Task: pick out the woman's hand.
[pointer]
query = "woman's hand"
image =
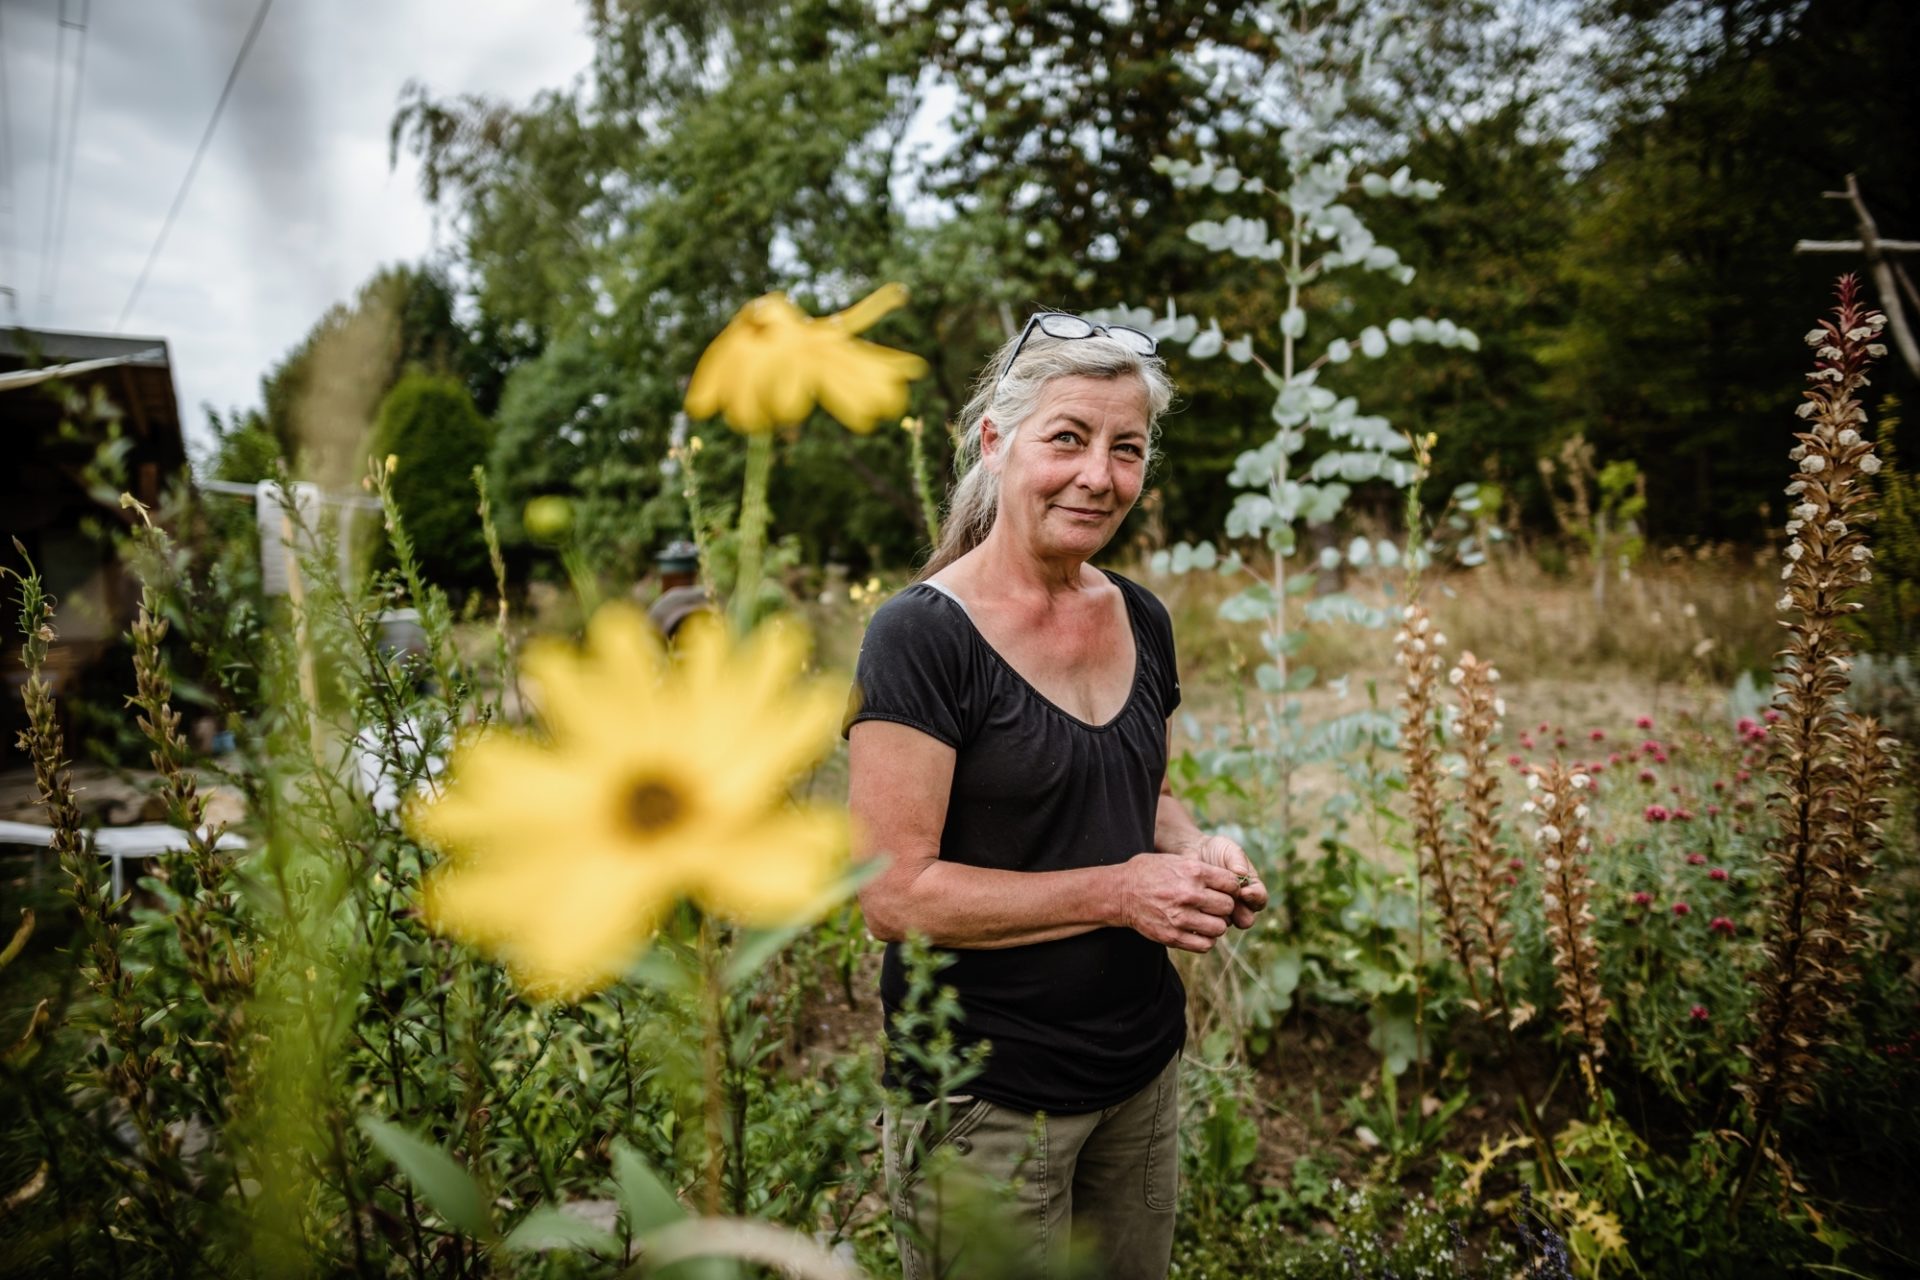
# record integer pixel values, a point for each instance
(1250, 895)
(1179, 901)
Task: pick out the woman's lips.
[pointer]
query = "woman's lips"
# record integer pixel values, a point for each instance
(1086, 511)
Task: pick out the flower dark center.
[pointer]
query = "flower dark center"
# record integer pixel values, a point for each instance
(653, 804)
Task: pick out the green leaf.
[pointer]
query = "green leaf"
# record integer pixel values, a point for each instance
(548, 1227)
(648, 1202)
(448, 1189)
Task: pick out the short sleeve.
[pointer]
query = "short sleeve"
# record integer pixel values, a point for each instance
(1159, 632)
(911, 667)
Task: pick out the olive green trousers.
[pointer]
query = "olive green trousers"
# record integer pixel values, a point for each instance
(983, 1191)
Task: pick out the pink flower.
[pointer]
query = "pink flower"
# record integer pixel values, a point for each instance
(1746, 725)
(1719, 784)
(1559, 744)
(1720, 924)
(1642, 899)
(1683, 815)
(1515, 864)
(1770, 716)
(1544, 728)
(1681, 909)
(1514, 761)
(1657, 813)
(1741, 776)
(1698, 1013)
(1596, 735)
(1648, 747)
(1648, 776)
(1713, 811)
(1718, 873)
(1643, 722)
(1526, 740)
(1613, 757)
(1696, 859)
(1659, 757)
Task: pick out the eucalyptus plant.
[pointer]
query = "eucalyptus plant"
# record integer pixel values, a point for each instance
(1305, 225)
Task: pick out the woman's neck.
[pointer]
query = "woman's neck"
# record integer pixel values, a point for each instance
(1003, 567)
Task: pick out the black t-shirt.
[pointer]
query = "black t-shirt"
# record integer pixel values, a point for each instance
(1077, 1024)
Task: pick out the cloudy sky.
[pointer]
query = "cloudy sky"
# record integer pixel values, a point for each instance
(293, 206)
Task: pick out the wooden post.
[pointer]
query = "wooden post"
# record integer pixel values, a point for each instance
(1888, 276)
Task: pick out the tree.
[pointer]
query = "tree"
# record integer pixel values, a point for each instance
(429, 429)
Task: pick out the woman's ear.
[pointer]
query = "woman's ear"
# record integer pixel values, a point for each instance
(992, 457)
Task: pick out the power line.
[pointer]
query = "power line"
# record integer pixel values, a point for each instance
(193, 167)
(52, 266)
(54, 119)
(11, 289)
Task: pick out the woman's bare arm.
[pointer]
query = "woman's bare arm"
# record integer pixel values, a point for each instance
(900, 781)
(1175, 831)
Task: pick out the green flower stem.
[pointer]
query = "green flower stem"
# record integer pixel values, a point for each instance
(753, 528)
(923, 480)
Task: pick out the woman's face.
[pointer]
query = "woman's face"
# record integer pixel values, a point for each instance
(1074, 468)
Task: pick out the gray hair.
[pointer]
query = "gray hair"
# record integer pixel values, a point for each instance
(1010, 401)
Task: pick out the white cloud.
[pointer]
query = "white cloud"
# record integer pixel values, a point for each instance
(294, 205)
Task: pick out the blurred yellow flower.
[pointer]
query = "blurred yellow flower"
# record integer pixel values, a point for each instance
(660, 779)
(773, 362)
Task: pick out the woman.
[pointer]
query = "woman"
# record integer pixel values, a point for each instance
(1008, 753)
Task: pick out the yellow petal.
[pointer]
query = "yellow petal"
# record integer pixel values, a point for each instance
(864, 384)
(770, 874)
(863, 314)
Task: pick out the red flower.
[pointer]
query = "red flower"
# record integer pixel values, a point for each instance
(1718, 873)
(1696, 859)
(1544, 727)
(1526, 740)
(1515, 864)
(1770, 716)
(1720, 924)
(1698, 1013)
(1643, 722)
(1713, 811)
(1719, 784)
(1741, 776)
(1681, 909)
(1514, 761)
(1647, 776)
(1683, 815)
(1657, 813)
(1613, 757)
(1659, 757)
(1596, 735)
(1643, 899)
(1747, 724)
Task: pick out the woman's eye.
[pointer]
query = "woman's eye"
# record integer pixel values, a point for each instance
(1068, 436)
(1132, 449)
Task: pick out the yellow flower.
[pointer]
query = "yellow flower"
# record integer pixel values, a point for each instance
(660, 779)
(773, 362)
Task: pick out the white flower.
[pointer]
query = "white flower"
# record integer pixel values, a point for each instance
(1806, 511)
(1456, 675)
(1549, 834)
(1406, 614)
(1798, 486)
(1580, 781)
(1583, 844)
(1831, 375)
(1499, 704)
(1865, 575)
(1439, 640)
(1828, 353)
(1422, 626)
(1798, 452)
(1859, 334)
(1870, 465)
(1528, 807)
(1794, 526)
(1807, 408)
(1876, 321)
(1876, 349)
(1835, 527)
(1816, 336)
(1784, 603)
(1813, 464)
(1786, 571)
(1550, 900)
(1417, 645)
(1551, 864)
(1533, 782)
(1862, 553)
(1795, 550)
(1547, 800)
(1580, 811)
(1399, 637)
(1849, 437)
